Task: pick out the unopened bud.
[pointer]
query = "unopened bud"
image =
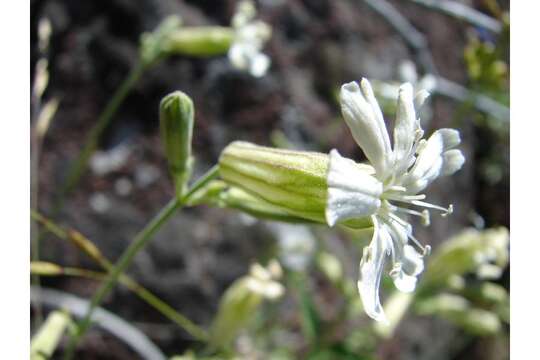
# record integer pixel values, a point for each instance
(44, 34)
(44, 268)
(241, 301)
(176, 114)
(200, 41)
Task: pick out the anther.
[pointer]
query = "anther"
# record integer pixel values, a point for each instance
(446, 211)
(425, 218)
(449, 211)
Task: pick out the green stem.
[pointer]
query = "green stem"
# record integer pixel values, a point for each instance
(77, 169)
(138, 243)
(151, 299)
(125, 260)
(164, 308)
(191, 328)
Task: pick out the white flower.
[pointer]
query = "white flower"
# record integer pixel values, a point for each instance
(264, 280)
(398, 175)
(250, 36)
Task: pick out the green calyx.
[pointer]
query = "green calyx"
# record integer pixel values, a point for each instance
(286, 183)
(293, 181)
(176, 116)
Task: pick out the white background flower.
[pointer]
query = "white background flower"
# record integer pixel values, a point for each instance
(250, 36)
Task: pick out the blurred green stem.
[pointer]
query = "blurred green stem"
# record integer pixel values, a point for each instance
(35, 144)
(310, 320)
(138, 243)
(77, 169)
(143, 293)
(151, 299)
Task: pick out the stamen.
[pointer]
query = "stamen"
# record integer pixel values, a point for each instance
(446, 212)
(426, 250)
(449, 212)
(399, 220)
(403, 198)
(426, 218)
(409, 211)
(397, 188)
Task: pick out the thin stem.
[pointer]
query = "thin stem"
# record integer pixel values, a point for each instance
(414, 38)
(143, 293)
(77, 169)
(138, 243)
(34, 184)
(164, 308)
(463, 12)
(210, 175)
(418, 42)
(90, 249)
(481, 102)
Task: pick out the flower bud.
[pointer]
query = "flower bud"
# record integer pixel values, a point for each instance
(45, 268)
(471, 251)
(242, 299)
(200, 41)
(176, 121)
(293, 182)
(461, 312)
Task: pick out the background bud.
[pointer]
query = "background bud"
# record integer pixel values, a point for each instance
(176, 114)
(471, 251)
(45, 268)
(200, 41)
(242, 300)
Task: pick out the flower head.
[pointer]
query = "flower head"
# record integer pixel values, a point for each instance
(385, 194)
(250, 36)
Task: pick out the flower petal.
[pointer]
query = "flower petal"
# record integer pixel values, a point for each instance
(420, 99)
(371, 268)
(403, 282)
(352, 191)
(364, 118)
(404, 130)
(413, 262)
(453, 160)
(407, 262)
(430, 162)
(406, 268)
